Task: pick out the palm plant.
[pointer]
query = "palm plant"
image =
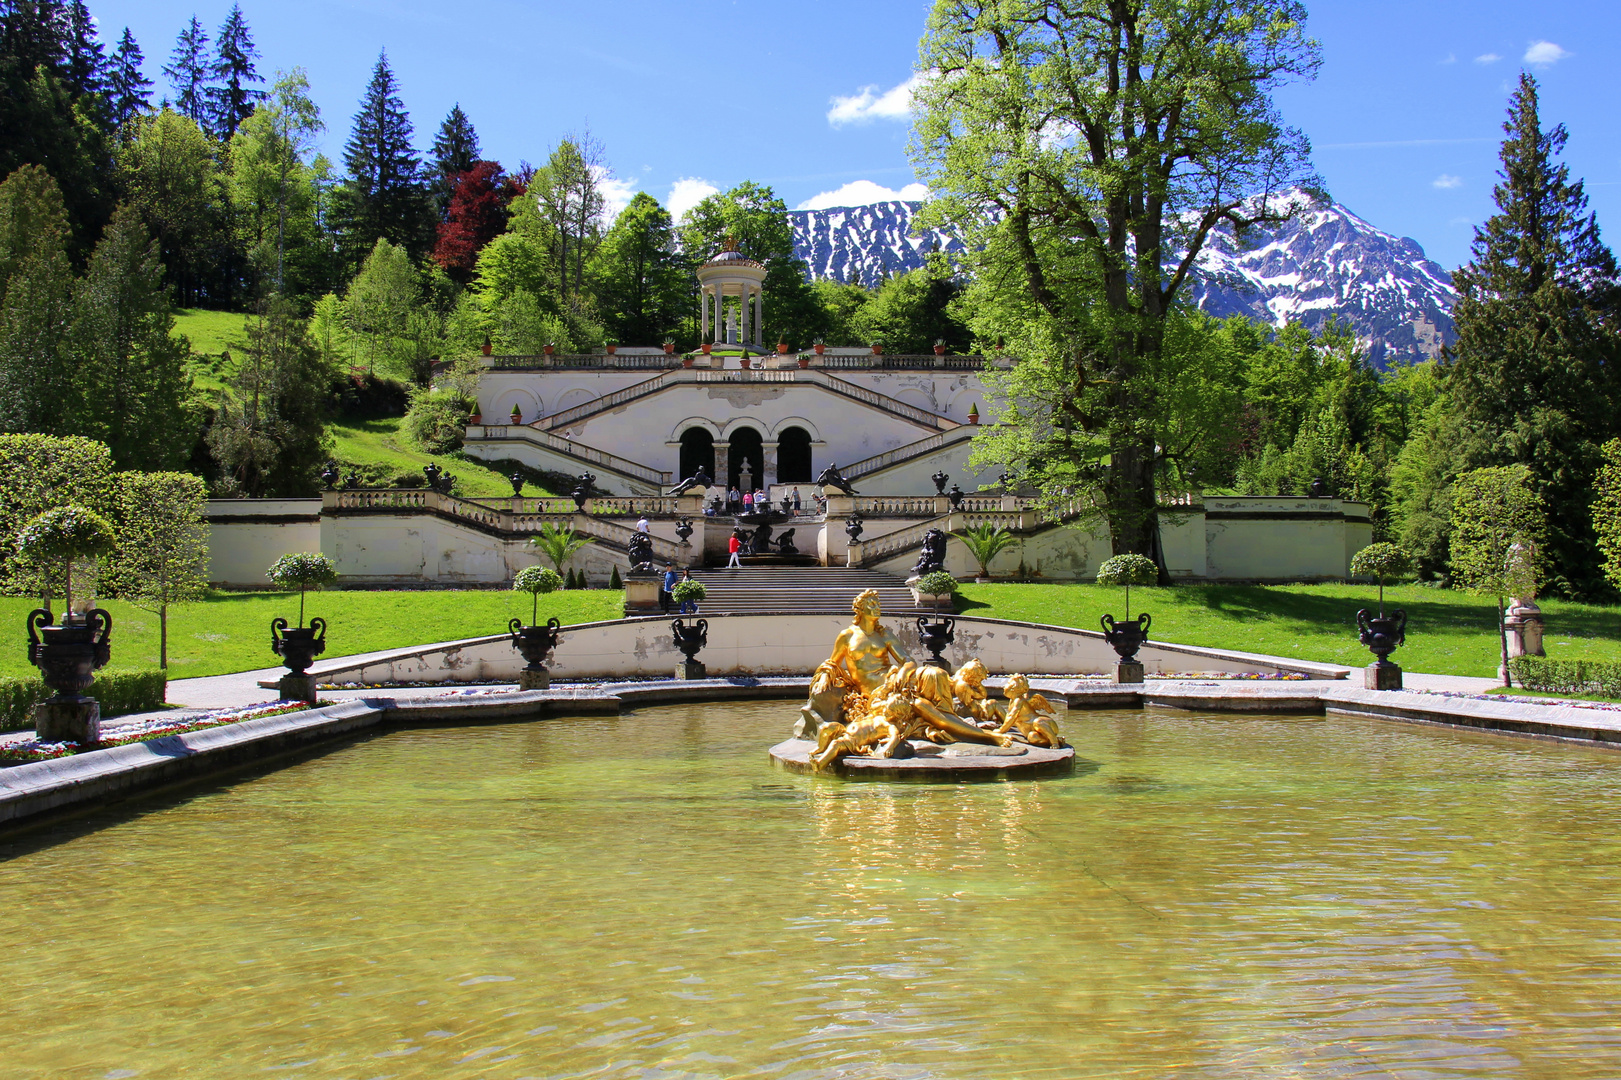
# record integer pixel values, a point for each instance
(985, 542)
(558, 543)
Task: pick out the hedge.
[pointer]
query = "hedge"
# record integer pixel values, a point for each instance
(1567, 676)
(119, 692)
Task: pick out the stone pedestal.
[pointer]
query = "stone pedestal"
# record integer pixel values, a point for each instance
(1128, 671)
(68, 721)
(641, 592)
(1382, 675)
(691, 669)
(297, 688)
(534, 680)
(1522, 626)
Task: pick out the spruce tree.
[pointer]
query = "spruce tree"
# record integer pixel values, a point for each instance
(1534, 367)
(129, 91)
(36, 283)
(455, 149)
(187, 72)
(383, 197)
(86, 62)
(231, 98)
(34, 34)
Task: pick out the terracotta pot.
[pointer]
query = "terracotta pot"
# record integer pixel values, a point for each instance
(547, 349)
(669, 348)
(706, 347)
(485, 348)
(939, 350)
(819, 349)
(517, 416)
(804, 361)
(476, 418)
(973, 416)
(688, 361)
(745, 360)
(878, 350)
(782, 350)
(611, 349)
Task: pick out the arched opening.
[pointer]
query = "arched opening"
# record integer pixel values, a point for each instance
(745, 443)
(697, 452)
(794, 456)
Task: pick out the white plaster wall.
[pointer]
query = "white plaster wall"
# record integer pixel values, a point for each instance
(1295, 540)
(245, 536)
(788, 645)
(416, 548)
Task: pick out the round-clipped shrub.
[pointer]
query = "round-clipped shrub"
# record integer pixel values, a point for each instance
(1380, 561)
(936, 583)
(62, 535)
(1128, 570)
(302, 570)
(689, 590)
(536, 581)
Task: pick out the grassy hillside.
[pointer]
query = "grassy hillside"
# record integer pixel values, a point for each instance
(211, 334)
(381, 454)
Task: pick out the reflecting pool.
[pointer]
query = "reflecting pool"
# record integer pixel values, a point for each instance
(1206, 896)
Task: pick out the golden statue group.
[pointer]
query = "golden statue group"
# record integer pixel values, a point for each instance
(869, 698)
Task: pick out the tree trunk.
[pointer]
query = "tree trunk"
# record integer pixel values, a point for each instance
(1502, 637)
(163, 636)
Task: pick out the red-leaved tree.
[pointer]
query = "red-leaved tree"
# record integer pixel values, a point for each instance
(476, 215)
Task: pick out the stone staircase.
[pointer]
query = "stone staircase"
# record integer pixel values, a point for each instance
(800, 591)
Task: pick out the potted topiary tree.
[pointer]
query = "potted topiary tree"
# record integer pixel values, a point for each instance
(299, 646)
(1380, 634)
(1127, 635)
(984, 542)
(937, 587)
(534, 642)
(67, 655)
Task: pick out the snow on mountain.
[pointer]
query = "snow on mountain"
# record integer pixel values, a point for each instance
(1327, 263)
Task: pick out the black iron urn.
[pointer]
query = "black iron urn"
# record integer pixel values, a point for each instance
(298, 646)
(69, 654)
(935, 637)
(1126, 637)
(534, 643)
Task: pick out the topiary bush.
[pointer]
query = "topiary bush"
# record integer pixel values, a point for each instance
(1381, 560)
(437, 420)
(1567, 676)
(936, 583)
(536, 581)
(302, 571)
(62, 535)
(689, 589)
(1128, 570)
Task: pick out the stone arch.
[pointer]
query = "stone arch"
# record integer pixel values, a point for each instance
(574, 398)
(697, 452)
(916, 398)
(526, 400)
(746, 444)
(794, 455)
(691, 422)
(798, 422)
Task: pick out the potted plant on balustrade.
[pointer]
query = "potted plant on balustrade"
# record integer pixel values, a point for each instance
(669, 346)
(939, 346)
(299, 646)
(937, 588)
(67, 655)
(1382, 634)
(985, 542)
(610, 346)
(1127, 635)
(535, 641)
(818, 346)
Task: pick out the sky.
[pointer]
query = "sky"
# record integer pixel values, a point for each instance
(690, 96)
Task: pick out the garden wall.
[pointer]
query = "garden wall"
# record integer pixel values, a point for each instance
(246, 535)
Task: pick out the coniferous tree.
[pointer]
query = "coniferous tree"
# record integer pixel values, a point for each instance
(187, 72)
(231, 98)
(85, 68)
(34, 34)
(133, 387)
(455, 150)
(129, 91)
(383, 197)
(36, 283)
(1535, 365)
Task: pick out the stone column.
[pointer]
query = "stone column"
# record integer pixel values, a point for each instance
(703, 313)
(723, 471)
(759, 318)
(768, 466)
(743, 335)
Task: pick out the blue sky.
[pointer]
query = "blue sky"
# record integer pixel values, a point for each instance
(809, 97)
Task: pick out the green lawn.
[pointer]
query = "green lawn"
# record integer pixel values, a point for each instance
(378, 451)
(210, 333)
(1448, 633)
(231, 631)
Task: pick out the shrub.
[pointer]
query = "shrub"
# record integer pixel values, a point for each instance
(58, 537)
(1382, 560)
(1128, 570)
(936, 583)
(437, 420)
(985, 542)
(688, 590)
(1567, 676)
(39, 472)
(302, 570)
(118, 692)
(615, 582)
(536, 581)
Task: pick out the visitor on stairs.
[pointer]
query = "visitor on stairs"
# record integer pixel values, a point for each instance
(796, 500)
(642, 525)
(667, 587)
(688, 607)
(734, 546)
(748, 502)
(734, 498)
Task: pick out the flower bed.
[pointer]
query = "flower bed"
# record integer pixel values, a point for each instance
(23, 751)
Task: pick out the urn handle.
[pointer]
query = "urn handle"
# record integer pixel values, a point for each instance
(101, 625)
(277, 626)
(1362, 619)
(37, 620)
(318, 625)
(1399, 617)
(513, 627)
(1107, 622)
(1143, 622)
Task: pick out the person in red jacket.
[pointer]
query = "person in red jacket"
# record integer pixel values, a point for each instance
(734, 546)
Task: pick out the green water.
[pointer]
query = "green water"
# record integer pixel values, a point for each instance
(1210, 897)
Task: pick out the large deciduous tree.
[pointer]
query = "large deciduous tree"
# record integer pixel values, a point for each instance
(643, 285)
(270, 182)
(476, 214)
(172, 179)
(1535, 365)
(1086, 150)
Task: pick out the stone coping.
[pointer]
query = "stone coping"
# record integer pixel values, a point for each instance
(28, 792)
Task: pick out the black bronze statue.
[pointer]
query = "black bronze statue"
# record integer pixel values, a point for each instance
(699, 479)
(785, 543)
(641, 551)
(832, 478)
(933, 556)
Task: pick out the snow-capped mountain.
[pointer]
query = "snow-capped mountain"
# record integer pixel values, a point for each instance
(1327, 263)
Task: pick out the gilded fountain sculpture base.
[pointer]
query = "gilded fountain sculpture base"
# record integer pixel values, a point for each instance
(873, 710)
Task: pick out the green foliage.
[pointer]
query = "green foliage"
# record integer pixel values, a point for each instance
(162, 557)
(117, 692)
(985, 542)
(1493, 510)
(382, 198)
(273, 189)
(642, 285)
(302, 570)
(936, 583)
(36, 299)
(171, 177)
(571, 582)
(1071, 235)
(688, 589)
(1382, 560)
(437, 420)
(1607, 510)
(537, 580)
(1128, 570)
(558, 543)
(910, 311)
(38, 473)
(615, 582)
(1567, 676)
(66, 532)
(1534, 365)
(388, 324)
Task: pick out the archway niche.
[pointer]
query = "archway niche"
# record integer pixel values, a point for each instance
(794, 456)
(746, 446)
(697, 451)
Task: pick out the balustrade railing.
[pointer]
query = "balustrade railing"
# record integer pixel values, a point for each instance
(910, 505)
(586, 362)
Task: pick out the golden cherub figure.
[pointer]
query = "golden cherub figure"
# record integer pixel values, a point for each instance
(878, 734)
(863, 655)
(972, 699)
(929, 690)
(1030, 714)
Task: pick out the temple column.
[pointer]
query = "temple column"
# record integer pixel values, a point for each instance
(743, 337)
(723, 466)
(759, 320)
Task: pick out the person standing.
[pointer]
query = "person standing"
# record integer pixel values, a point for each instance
(666, 587)
(734, 498)
(642, 524)
(688, 607)
(748, 502)
(796, 500)
(734, 545)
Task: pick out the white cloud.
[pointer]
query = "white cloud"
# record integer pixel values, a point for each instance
(616, 193)
(1445, 181)
(863, 193)
(686, 193)
(1487, 58)
(871, 104)
(1544, 53)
